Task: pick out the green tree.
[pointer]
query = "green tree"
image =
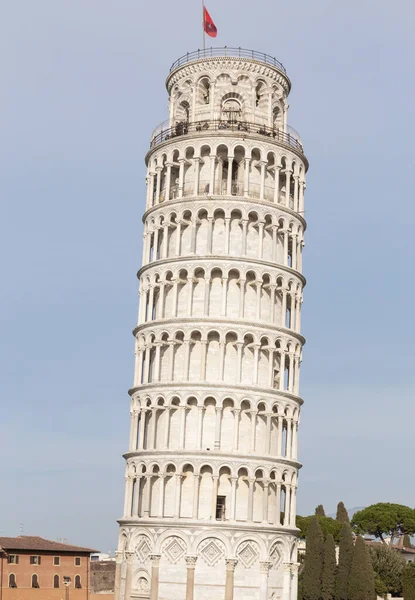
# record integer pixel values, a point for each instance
(407, 541)
(328, 581)
(320, 512)
(385, 519)
(342, 514)
(362, 577)
(408, 580)
(313, 567)
(327, 524)
(346, 548)
(388, 566)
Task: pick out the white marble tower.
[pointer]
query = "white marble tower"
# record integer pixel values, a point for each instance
(212, 466)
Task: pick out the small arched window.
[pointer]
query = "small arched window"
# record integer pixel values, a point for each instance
(35, 581)
(56, 581)
(12, 581)
(78, 582)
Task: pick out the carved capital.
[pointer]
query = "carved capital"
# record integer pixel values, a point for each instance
(155, 560)
(265, 566)
(231, 564)
(190, 561)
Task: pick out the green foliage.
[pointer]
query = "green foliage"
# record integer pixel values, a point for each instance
(388, 565)
(342, 514)
(328, 582)
(346, 549)
(407, 541)
(320, 512)
(362, 577)
(327, 524)
(313, 567)
(385, 519)
(408, 580)
(380, 588)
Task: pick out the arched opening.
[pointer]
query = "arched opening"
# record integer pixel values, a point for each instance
(12, 581)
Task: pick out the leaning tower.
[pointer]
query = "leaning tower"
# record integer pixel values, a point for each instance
(212, 467)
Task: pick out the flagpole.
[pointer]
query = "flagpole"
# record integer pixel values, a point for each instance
(203, 26)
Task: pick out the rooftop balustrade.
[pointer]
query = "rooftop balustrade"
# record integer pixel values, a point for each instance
(164, 132)
(224, 52)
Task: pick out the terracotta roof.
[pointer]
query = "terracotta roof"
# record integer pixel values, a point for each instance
(25, 542)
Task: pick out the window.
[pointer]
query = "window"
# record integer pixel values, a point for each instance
(35, 581)
(220, 508)
(13, 559)
(12, 581)
(56, 581)
(78, 581)
(77, 561)
(35, 560)
(56, 561)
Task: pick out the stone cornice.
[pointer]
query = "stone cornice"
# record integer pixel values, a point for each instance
(236, 200)
(234, 458)
(235, 261)
(223, 387)
(220, 321)
(239, 526)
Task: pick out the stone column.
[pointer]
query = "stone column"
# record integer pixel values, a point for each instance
(142, 429)
(196, 483)
(279, 436)
(296, 186)
(294, 251)
(294, 581)
(190, 282)
(224, 295)
(258, 299)
(287, 505)
(177, 496)
(166, 427)
(168, 181)
(286, 234)
(287, 186)
(181, 177)
(277, 184)
(229, 183)
(178, 240)
(190, 583)
(182, 426)
(186, 359)
(278, 505)
(265, 502)
(199, 424)
(206, 297)
(239, 347)
(218, 427)
(227, 234)
(234, 481)
(155, 570)
(165, 248)
(264, 567)
(197, 175)
(246, 176)
(253, 429)
(244, 235)
(241, 298)
(236, 416)
(293, 507)
(222, 347)
(129, 482)
(230, 578)
(129, 574)
(210, 235)
(118, 567)
(289, 438)
(212, 175)
(251, 499)
(301, 199)
(263, 173)
(214, 496)
(203, 360)
(286, 590)
(161, 497)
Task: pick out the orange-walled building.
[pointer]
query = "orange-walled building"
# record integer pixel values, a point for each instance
(32, 568)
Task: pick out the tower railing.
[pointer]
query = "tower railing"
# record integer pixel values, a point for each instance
(227, 51)
(291, 138)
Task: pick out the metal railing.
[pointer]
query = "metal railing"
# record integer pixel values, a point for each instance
(184, 128)
(227, 51)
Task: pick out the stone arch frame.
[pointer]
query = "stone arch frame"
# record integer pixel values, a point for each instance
(248, 537)
(202, 537)
(163, 537)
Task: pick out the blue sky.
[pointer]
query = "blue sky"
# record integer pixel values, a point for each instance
(82, 89)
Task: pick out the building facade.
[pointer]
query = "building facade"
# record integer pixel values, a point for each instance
(212, 466)
(35, 568)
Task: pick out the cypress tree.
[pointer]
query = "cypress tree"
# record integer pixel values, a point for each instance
(328, 582)
(408, 580)
(346, 548)
(313, 566)
(342, 514)
(320, 512)
(362, 577)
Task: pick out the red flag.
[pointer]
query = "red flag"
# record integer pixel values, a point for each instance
(209, 25)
